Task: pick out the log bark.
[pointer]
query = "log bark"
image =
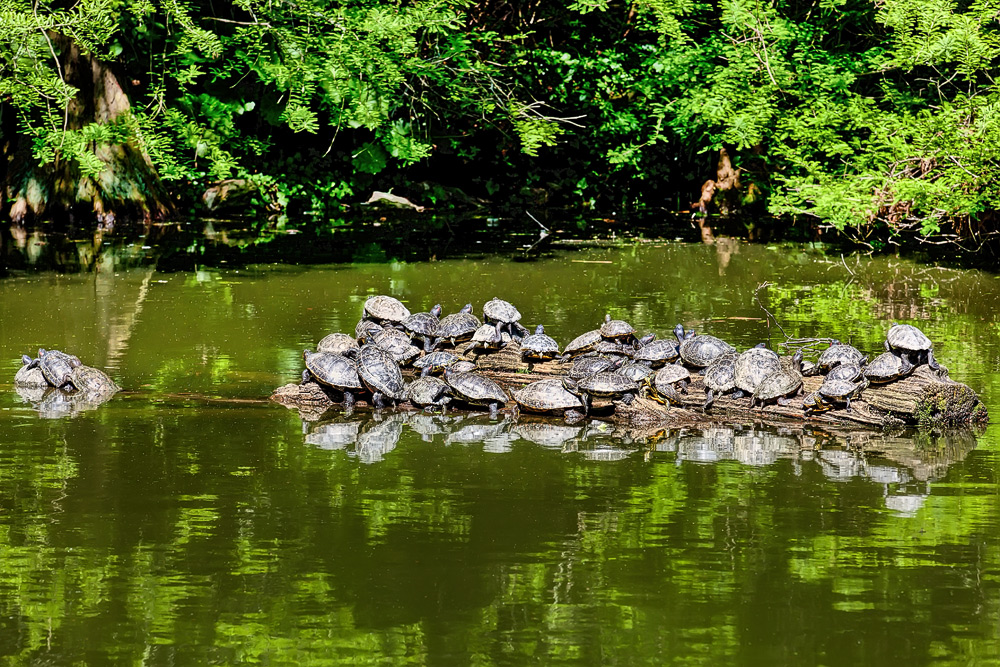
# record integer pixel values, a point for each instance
(924, 398)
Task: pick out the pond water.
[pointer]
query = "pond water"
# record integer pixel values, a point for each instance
(189, 521)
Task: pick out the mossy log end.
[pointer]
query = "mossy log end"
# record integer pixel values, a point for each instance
(923, 399)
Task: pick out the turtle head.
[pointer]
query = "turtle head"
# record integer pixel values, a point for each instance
(689, 334)
(467, 308)
(607, 317)
(41, 352)
(797, 361)
(25, 360)
(761, 345)
(647, 339)
(570, 385)
(436, 310)
(679, 332)
(539, 329)
(306, 354)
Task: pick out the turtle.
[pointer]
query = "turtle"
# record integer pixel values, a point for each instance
(380, 373)
(612, 348)
(606, 384)
(753, 366)
(835, 392)
(396, 343)
(424, 325)
(429, 391)
(908, 338)
(635, 371)
(539, 345)
(617, 330)
(463, 366)
(385, 309)
(365, 329)
(502, 315)
(780, 384)
(477, 390)
(548, 396)
(457, 326)
(488, 339)
(888, 367)
(93, 381)
(57, 367)
(838, 353)
(582, 344)
(435, 362)
(655, 353)
(851, 372)
(332, 370)
(586, 366)
(699, 351)
(338, 343)
(813, 403)
(666, 382)
(720, 378)
(29, 375)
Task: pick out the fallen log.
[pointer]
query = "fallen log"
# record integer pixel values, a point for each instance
(925, 398)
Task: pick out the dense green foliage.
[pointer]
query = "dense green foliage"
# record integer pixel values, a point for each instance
(861, 114)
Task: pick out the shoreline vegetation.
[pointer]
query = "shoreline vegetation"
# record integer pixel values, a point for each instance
(874, 124)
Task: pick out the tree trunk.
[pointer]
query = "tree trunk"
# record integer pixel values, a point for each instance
(127, 189)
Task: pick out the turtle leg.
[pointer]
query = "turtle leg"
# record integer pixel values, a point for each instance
(931, 361)
(709, 399)
(783, 401)
(425, 372)
(628, 398)
(348, 398)
(378, 400)
(306, 376)
(428, 344)
(737, 394)
(494, 410)
(848, 403)
(684, 386)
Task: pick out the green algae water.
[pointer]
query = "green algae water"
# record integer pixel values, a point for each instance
(190, 522)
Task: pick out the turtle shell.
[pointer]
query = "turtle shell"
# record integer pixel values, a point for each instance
(380, 373)
(840, 390)
(587, 366)
(583, 343)
(30, 376)
(458, 326)
(607, 383)
(753, 366)
(616, 329)
(365, 329)
(428, 390)
(93, 381)
(539, 345)
(337, 343)
(383, 308)
(396, 343)
(908, 337)
(700, 351)
(332, 369)
(57, 367)
(436, 361)
(836, 354)
(498, 310)
(422, 324)
(657, 352)
(546, 396)
(635, 371)
(720, 375)
(780, 383)
(670, 374)
(849, 372)
(463, 366)
(887, 367)
(475, 389)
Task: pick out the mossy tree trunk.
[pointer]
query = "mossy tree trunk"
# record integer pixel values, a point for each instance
(127, 188)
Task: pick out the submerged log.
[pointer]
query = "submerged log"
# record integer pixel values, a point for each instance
(924, 398)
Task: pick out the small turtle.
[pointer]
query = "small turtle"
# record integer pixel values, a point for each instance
(427, 392)
(502, 315)
(477, 390)
(612, 348)
(338, 343)
(489, 339)
(655, 353)
(888, 367)
(780, 384)
(753, 366)
(463, 366)
(334, 371)
(539, 345)
(835, 392)
(617, 330)
(635, 371)
(838, 353)
(720, 378)
(665, 384)
(380, 373)
(606, 384)
(908, 338)
(385, 309)
(586, 366)
(29, 375)
(57, 367)
(435, 362)
(814, 403)
(548, 396)
(365, 329)
(699, 351)
(396, 343)
(844, 371)
(582, 344)
(456, 327)
(424, 325)
(93, 382)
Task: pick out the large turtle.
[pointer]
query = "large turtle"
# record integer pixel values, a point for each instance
(456, 327)
(29, 375)
(502, 315)
(477, 390)
(396, 343)
(888, 367)
(655, 353)
(385, 309)
(835, 392)
(606, 384)
(753, 366)
(720, 378)
(338, 343)
(666, 382)
(539, 345)
(424, 325)
(332, 370)
(586, 366)
(429, 391)
(838, 353)
(380, 373)
(93, 381)
(549, 396)
(488, 338)
(57, 367)
(582, 344)
(699, 351)
(435, 362)
(635, 371)
(906, 338)
(617, 330)
(780, 384)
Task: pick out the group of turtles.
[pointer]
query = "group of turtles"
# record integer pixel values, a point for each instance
(610, 362)
(59, 382)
